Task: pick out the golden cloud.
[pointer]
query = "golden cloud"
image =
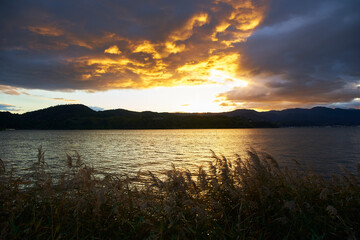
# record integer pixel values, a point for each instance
(186, 31)
(197, 50)
(113, 50)
(173, 43)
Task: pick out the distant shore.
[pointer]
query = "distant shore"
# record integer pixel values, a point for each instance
(82, 117)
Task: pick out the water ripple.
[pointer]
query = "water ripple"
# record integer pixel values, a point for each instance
(127, 151)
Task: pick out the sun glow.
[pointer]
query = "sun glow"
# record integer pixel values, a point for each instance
(172, 66)
(223, 77)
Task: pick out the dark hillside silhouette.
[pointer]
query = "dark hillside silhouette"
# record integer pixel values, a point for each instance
(317, 116)
(79, 116)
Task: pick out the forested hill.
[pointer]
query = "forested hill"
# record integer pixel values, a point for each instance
(317, 116)
(82, 117)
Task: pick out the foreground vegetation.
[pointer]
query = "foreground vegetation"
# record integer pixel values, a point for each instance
(250, 198)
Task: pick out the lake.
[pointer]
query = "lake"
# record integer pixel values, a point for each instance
(127, 151)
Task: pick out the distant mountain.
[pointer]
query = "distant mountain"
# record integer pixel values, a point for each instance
(79, 116)
(82, 117)
(317, 116)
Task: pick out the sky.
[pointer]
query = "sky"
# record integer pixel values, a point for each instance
(179, 56)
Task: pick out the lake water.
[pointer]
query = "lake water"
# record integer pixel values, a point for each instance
(127, 151)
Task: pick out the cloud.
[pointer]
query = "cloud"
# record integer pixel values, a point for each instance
(46, 30)
(63, 100)
(51, 98)
(303, 53)
(96, 108)
(8, 107)
(9, 90)
(113, 50)
(95, 46)
(353, 104)
(283, 53)
(20, 91)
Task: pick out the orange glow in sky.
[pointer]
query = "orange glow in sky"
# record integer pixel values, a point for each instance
(212, 56)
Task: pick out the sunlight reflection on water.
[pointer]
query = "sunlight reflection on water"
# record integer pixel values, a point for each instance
(127, 151)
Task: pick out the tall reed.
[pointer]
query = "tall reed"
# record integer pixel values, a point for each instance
(250, 198)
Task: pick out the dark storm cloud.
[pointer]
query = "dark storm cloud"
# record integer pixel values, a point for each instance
(304, 52)
(293, 53)
(139, 18)
(98, 45)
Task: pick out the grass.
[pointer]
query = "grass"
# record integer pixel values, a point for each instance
(251, 198)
